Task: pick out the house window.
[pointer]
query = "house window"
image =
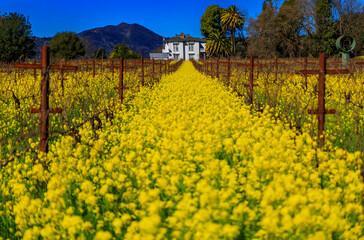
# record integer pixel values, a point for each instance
(191, 47)
(191, 56)
(175, 47)
(175, 57)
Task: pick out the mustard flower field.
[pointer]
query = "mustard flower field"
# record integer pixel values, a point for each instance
(183, 159)
(290, 96)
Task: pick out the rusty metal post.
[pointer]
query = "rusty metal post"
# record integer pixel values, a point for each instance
(321, 99)
(305, 68)
(112, 67)
(251, 79)
(276, 68)
(62, 80)
(228, 71)
(35, 71)
(93, 68)
(121, 78)
(153, 70)
(142, 60)
(44, 104)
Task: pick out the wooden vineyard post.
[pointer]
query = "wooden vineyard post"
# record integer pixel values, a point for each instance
(321, 111)
(305, 68)
(93, 68)
(276, 69)
(160, 68)
(121, 80)
(121, 87)
(321, 99)
(112, 67)
(251, 79)
(153, 70)
(44, 103)
(35, 71)
(251, 84)
(142, 61)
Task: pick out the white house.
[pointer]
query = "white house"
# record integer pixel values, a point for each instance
(184, 47)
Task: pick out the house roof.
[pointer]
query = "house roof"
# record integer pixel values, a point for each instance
(185, 38)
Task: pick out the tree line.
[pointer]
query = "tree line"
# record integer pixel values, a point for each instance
(17, 44)
(288, 28)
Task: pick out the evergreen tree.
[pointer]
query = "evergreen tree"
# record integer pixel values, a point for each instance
(211, 20)
(66, 45)
(15, 41)
(123, 51)
(325, 27)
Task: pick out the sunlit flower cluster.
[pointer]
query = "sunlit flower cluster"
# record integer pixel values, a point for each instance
(185, 159)
(291, 95)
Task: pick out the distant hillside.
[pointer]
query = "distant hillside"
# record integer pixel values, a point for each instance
(39, 42)
(135, 36)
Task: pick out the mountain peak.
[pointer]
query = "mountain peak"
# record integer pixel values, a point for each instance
(137, 37)
(134, 35)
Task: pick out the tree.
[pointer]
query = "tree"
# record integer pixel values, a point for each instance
(262, 40)
(15, 41)
(211, 20)
(289, 21)
(99, 53)
(325, 27)
(232, 19)
(218, 44)
(123, 51)
(66, 45)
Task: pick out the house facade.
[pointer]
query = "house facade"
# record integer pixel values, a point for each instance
(184, 47)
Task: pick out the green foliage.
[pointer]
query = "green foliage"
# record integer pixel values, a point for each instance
(218, 44)
(99, 54)
(325, 27)
(211, 20)
(232, 19)
(123, 51)
(66, 45)
(15, 41)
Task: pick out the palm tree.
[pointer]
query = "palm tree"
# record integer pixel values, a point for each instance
(232, 19)
(217, 43)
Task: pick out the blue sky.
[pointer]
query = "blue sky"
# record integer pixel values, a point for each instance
(166, 18)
